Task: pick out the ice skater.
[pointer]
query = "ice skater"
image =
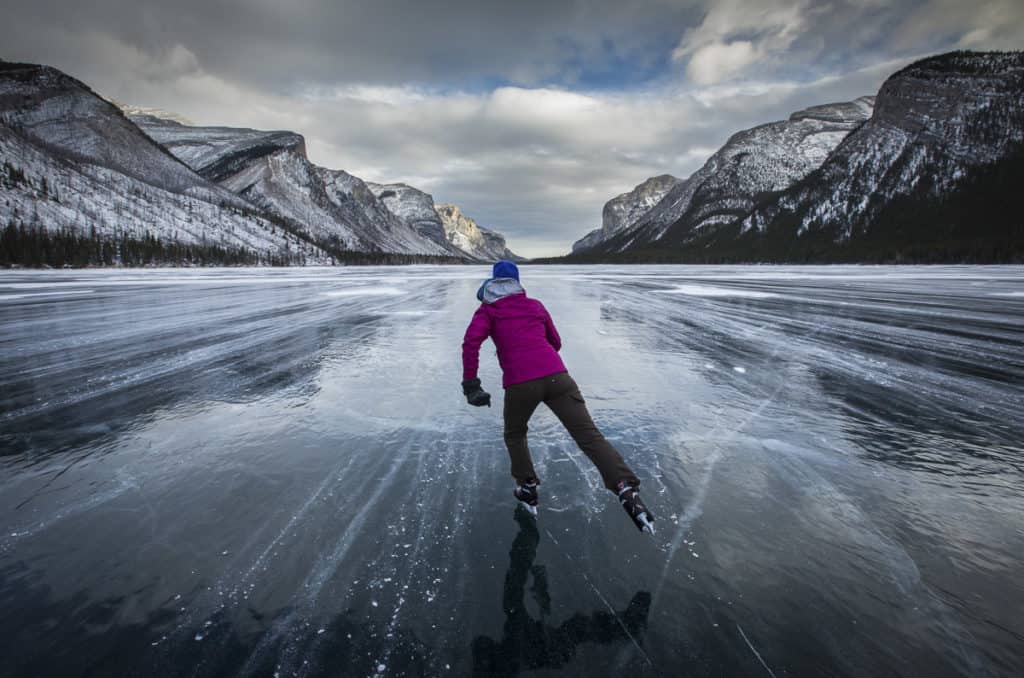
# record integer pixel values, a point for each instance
(533, 373)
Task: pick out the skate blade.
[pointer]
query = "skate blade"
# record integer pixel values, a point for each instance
(531, 509)
(647, 525)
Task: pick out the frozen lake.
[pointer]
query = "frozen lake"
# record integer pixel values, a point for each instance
(274, 472)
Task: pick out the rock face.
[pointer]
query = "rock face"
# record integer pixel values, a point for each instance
(481, 243)
(766, 158)
(415, 208)
(933, 175)
(937, 125)
(444, 224)
(72, 161)
(626, 209)
(216, 153)
(270, 170)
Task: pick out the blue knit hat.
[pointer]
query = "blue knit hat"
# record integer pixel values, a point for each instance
(505, 269)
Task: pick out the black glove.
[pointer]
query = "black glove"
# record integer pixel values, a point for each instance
(475, 395)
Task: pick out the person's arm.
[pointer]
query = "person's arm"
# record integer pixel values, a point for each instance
(477, 332)
(550, 331)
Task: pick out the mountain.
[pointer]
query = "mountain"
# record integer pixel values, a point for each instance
(271, 171)
(443, 223)
(85, 181)
(465, 234)
(766, 158)
(935, 174)
(626, 209)
(73, 163)
(415, 208)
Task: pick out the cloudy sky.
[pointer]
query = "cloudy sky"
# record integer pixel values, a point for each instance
(528, 114)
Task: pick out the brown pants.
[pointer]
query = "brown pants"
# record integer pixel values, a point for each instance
(562, 396)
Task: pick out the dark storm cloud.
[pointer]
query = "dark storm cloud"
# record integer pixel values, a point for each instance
(280, 44)
(529, 115)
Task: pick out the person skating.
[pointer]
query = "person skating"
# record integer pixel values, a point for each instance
(533, 373)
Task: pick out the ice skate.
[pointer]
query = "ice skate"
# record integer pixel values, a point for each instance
(629, 497)
(527, 496)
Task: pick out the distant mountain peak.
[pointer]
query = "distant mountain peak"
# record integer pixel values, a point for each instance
(765, 158)
(158, 113)
(928, 170)
(463, 232)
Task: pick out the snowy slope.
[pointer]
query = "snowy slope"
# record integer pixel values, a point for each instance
(479, 242)
(63, 115)
(934, 123)
(72, 160)
(769, 157)
(626, 209)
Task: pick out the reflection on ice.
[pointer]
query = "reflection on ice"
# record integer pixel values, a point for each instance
(528, 643)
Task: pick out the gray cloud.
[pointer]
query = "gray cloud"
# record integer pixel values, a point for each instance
(530, 116)
(278, 45)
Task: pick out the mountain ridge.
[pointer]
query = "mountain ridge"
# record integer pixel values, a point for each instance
(930, 176)
(79, 167)
(763, 158)
(74, 163)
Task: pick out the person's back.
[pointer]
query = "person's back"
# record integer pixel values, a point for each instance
(521, 329)
(532, 372)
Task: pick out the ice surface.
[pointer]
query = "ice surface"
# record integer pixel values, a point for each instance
(365, 291)
(709, 291)
(281, 463)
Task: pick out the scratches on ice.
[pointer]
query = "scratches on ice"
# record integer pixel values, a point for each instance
(756, 653)
(312, 459)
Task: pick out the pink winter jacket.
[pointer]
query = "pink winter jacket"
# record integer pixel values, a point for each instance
(523, 333)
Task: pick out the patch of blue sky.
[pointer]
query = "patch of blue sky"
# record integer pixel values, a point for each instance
(606, 69)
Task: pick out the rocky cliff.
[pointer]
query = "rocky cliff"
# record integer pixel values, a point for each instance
(73, 162)
(626, 209)
(938, 125)
(415, 208)
(933, 175)
(271, 171)
(464, 233)
(766, 158)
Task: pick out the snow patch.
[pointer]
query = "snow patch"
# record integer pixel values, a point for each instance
(14, 297)
(365, 292)
(709, 291)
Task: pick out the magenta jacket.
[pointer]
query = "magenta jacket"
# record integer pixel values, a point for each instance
(522, 331)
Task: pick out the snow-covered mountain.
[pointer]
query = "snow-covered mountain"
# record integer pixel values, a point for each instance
(766, 158)
(415, 208)
(626, 209)
(271, 171)
(76, 165)
(465, 234)
(929, 170)
(938, 125)
(73, 162)
(443, 223)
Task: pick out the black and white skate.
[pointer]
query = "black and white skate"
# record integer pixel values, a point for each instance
(527, 496)
(629, 497)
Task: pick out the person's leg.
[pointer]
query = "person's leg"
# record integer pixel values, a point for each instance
(520, 402)
(563, 396)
